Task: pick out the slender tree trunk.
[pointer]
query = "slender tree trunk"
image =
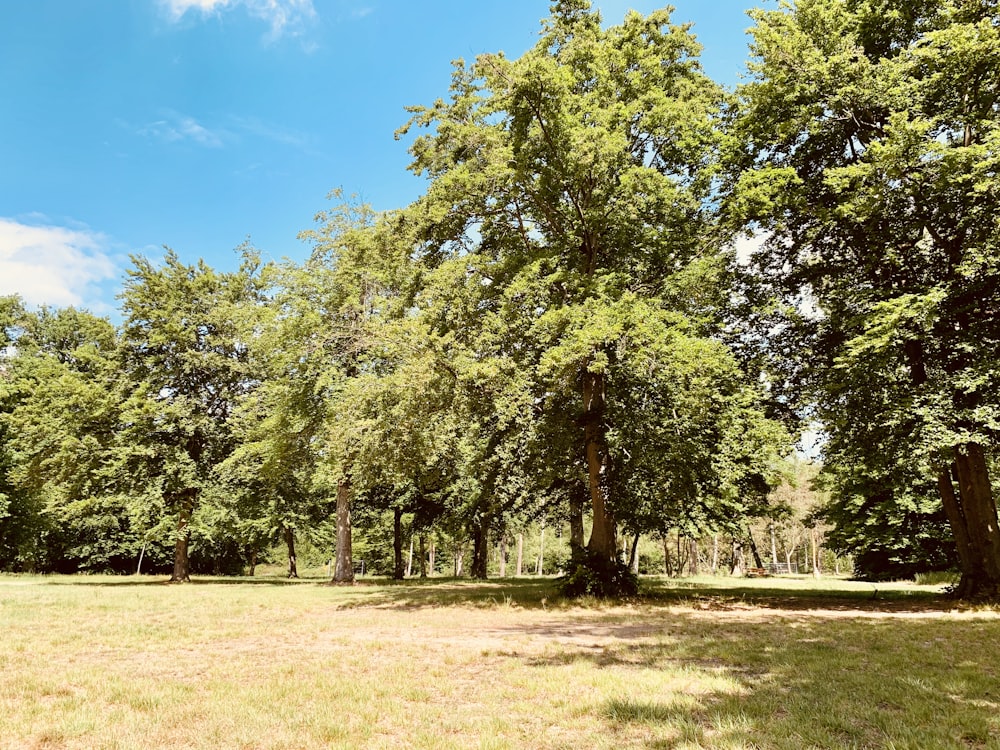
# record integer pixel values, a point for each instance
(409, 560)
(503, 555)
(774, 546)
(520, 555)
(398, 571)
(715, 554)
(693, 557)
(814, 545)
(459, 559)
(577, 500)
(681, 561)
(753, 549)
(253, 561)
(293, 568)
(481, 549)
(739, 564)
(602, 542)
(142, 553)
(540, 565)
(344, 572)
(431, 556)
(788, 559)
(423, 555)
(633, 557)
(666, 553)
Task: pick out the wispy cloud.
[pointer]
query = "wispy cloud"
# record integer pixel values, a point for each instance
(283, 16)
(53, 265)
(175, 127)
(257, 127)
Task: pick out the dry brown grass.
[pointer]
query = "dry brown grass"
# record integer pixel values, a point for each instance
(125, 663)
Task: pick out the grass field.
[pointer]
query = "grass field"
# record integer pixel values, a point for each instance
(95, 662)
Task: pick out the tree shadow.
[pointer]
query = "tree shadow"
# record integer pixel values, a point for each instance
(913, 679)
(451, 592)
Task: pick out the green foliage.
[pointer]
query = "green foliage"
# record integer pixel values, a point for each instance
(865, 142)
(570, 214)
(593, 575)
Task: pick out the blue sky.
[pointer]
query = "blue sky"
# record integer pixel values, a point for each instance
(128, 125)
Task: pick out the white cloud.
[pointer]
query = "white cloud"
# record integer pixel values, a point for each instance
(52, 265)
(283, 16)
(176, 127)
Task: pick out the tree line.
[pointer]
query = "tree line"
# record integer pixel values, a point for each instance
(561, 326)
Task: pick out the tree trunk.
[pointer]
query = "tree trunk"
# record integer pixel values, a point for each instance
(293, 568)
(774, 546)
(972, 511)
(602, 536)
(540, 564)
(633, 557)
(480, 550)
(142, 553)
(430, 557)
(681, 560)
(423, 555)
(459, 558)
(693, 557)
(577, 501)
(409, 560)
(666, 554)
(345, 561)
(253, 561)
(739, 564)
(814, 545)
(503, 555)
(715, 554)
(520, 555)
(397, 544)
(753, 549)
(974, 518)
(182, 566)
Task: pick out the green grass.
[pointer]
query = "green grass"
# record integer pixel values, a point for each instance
(102, 662)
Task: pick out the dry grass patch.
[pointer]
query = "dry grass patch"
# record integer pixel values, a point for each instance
(127, 663)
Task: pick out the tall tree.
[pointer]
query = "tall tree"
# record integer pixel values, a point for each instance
(357, 280)
(870, 133)
(187, 364)
(571, 197)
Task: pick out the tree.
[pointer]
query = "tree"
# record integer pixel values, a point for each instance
(869, 135)
(357, 283)
(571, 195)
(65, 397)
(19, 510)
(187, 369)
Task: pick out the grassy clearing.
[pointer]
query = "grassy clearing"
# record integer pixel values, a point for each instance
(95, 662)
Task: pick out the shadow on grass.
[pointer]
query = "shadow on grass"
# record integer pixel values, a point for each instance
(527, 593)
(543, 593)
(786, 681)
(801, 596)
